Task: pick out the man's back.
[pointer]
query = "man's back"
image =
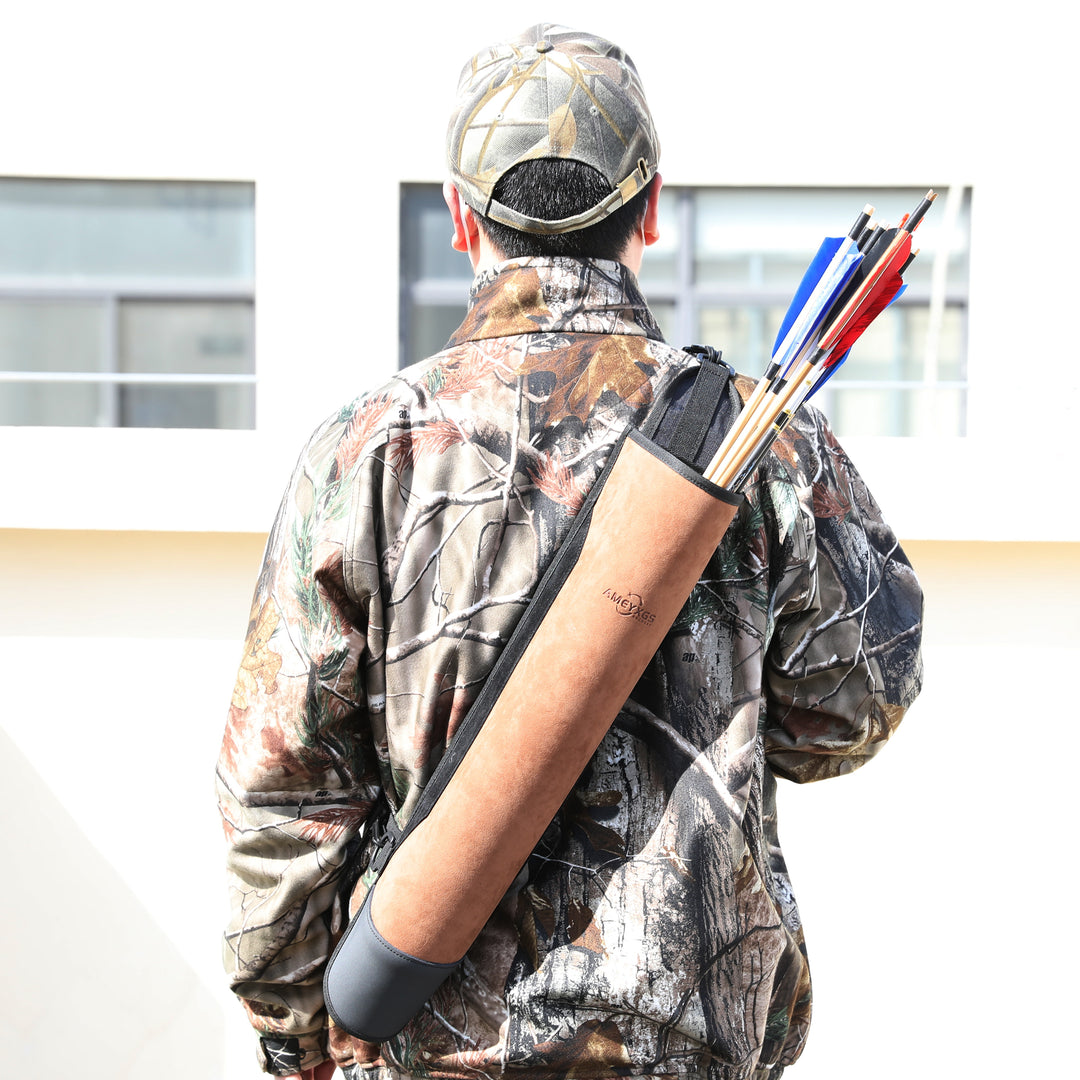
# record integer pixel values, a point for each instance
(654, 929)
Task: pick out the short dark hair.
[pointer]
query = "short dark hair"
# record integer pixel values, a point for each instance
(553, 188)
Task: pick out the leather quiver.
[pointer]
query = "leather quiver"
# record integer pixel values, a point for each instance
(615, 586)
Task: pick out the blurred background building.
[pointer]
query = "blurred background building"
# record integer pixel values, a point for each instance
(219, 222)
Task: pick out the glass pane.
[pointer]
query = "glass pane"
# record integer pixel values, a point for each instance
(52, 335)
(197, 337)
(895, 411)
(764, 236)
(186, 337)
(426, 230)
(429, 328)
(895, 346)
(948, 340)
(768, 236)
(783, 272)
(187, 406)
(659, 267)
(731, 331)
(865, 412)
(54, 404)
(110, 228)
(744, 334)
(664, 313)
(734, 269)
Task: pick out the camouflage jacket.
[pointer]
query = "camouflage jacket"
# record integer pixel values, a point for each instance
(655, 931)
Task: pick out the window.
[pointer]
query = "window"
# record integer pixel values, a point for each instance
(435, 279)
(723, 273)
(127, 303)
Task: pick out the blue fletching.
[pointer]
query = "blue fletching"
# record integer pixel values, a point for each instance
(818, 265)
(828, 272)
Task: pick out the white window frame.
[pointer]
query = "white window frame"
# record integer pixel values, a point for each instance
(111, 293)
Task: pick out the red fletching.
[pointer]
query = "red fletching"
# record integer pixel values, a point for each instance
(886, 268)
(877, 301)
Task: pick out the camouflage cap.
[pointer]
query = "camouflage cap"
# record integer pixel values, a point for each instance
(551, 93)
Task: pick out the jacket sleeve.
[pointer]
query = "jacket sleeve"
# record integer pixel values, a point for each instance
(844, 659)
(297, 774)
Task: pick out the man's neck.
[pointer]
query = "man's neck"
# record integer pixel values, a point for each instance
(484, 255)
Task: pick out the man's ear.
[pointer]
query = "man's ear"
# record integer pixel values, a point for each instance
(650, 227)
(466, 230)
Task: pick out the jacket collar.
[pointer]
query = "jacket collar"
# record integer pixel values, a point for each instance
(539, 296)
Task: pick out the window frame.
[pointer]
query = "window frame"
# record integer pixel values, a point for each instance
(112, 291)
(688, 298)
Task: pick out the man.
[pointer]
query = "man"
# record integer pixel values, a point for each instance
(653, 930)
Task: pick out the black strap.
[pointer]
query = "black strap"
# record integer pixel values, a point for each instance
(695, 411)
(694, 423)
(550, 584)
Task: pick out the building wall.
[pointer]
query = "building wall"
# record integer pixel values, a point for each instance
(931, 883)
(329, 114)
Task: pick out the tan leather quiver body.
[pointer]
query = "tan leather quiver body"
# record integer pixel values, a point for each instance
(636, 550)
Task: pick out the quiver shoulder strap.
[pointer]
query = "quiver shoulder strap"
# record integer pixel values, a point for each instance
(618, 581)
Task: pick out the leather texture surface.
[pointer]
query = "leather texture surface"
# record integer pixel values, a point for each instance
(651, 534)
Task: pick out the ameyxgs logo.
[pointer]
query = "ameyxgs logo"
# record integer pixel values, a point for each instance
(631, 606)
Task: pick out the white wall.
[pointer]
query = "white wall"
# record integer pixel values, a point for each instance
(118, 652)
(933, 883)
(330, 110)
